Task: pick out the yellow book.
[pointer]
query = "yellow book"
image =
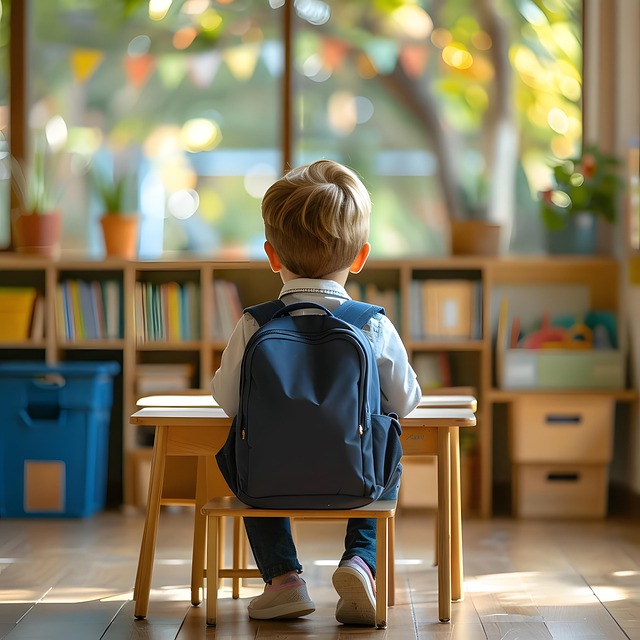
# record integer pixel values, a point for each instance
(16, 308)
(173, 312)
(78, 320)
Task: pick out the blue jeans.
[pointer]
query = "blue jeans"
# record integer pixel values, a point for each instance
(275, 552)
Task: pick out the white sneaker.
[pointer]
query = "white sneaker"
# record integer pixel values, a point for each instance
(356, 587)
(288, 600)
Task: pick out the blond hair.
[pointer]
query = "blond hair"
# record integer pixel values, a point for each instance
(317, 218)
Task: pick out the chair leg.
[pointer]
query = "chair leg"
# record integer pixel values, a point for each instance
(382, 550)
(212, 571)
(238, 545)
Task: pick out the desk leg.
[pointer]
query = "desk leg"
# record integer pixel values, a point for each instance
(199, 534)
(444, 524)
(392, 562)
(457, 576)
(150, 531)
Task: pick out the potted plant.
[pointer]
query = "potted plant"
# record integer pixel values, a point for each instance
(586, 189)
(37, 222)
(119, 221)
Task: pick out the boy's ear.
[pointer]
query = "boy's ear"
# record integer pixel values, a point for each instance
(274, 261)
(361, 258)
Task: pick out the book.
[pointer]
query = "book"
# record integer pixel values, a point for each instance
(16, 310)
(36, 331)
(112, 300)
(447, 308)
(432, 370)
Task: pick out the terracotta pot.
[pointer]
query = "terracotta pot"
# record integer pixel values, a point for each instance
(37, 232)
(120, 234)
(475, 238)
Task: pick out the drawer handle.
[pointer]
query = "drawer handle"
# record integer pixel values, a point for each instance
(563, 477)
(563, 419)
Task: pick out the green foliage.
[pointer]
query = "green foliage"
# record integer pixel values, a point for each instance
(34, 190)
(115, 193)
(585, 183)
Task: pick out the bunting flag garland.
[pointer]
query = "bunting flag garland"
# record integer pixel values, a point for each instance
(139, 68)
(84, 62)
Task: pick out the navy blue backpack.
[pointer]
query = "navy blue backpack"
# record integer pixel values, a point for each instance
(309, 433)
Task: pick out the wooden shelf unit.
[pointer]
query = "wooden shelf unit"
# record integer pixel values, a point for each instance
(473, 357)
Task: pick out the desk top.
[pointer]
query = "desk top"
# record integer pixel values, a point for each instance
(200, 398)
(203, 416)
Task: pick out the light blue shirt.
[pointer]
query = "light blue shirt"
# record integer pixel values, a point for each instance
(399, 389)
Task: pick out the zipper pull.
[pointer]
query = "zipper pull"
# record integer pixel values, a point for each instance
(243, 434)
(360, 430)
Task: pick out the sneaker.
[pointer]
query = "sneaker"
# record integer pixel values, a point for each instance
(288, 600)
(357, 590)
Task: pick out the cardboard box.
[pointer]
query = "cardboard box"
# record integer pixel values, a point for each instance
(562, 428)
(559, 490)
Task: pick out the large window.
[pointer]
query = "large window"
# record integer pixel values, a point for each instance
(446, 109)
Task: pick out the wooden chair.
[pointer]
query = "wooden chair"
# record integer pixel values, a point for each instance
(382, 510)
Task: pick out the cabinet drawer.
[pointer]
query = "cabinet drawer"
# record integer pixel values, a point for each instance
(560, 490)
(548, 428)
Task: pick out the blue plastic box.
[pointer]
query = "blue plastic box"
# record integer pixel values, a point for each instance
(54, 438)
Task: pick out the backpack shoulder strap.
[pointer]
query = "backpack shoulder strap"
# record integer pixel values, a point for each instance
(264, 312)
(357, 313)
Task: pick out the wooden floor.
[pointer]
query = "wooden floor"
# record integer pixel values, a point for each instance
(72, 580)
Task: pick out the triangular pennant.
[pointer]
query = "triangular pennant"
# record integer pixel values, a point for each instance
(139, 68)
(242, 60)
(84, 62)
(202, 68)
(333, 52)
(414, 59)
(172, 69)
(272, 54)
(383, 54)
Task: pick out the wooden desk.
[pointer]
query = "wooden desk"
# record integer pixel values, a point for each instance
(201, 431)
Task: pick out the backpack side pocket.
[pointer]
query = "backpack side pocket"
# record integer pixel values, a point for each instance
(387, 450)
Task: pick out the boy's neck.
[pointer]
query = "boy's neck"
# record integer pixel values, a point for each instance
(337, 276)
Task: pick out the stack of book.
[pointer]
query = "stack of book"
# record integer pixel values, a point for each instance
(89, 310)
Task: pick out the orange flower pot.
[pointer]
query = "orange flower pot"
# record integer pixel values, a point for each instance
(120, 234)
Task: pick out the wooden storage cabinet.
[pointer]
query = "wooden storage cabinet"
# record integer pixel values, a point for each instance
(196, 354)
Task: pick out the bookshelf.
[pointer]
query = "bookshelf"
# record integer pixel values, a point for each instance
(460, 353)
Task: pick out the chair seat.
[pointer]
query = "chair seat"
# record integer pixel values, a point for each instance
(231, 506)
(383, 511)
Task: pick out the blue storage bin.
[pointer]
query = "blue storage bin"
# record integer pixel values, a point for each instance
(54, 437)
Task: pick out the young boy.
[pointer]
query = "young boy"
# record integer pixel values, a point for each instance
(317, 225)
